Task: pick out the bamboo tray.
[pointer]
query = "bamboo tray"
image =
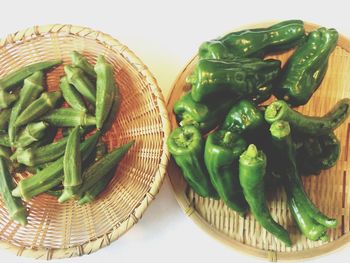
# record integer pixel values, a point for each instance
(64, 230)
(329, 191)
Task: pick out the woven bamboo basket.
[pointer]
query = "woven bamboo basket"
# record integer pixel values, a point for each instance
(65, 230)
(329, 191)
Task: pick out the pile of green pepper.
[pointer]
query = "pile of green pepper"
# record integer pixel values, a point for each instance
(57, 144)
(229, 146)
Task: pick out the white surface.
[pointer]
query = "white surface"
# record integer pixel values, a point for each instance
(165, 35)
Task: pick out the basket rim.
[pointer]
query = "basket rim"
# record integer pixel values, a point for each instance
(114, 233)
(187, 206)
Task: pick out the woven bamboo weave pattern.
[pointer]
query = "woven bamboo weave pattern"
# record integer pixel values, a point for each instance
(64, 230)
(329, 191)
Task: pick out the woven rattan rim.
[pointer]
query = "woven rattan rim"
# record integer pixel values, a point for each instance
(146, 75)
(188, 207)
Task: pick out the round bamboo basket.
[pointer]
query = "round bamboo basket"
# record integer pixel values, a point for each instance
(65, 230)
(329, 191)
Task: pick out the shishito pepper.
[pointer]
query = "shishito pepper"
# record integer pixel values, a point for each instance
(187, 147)
(240, 77)
(254, 42)
(221, 154)
(305, 69)
(205, 116)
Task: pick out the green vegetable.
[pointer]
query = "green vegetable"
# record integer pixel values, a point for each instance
(4, 139)
(77, 78)
(46, 102)
(14, 206)
(221, 154)
(4, 119)
(71, 95)
(239, 77)
(31, 133)
(104, 90)
(187, 147)
(7, 99)
(113, 111)
(81, 62)
(305, 69)
(32, 88)
(254, 42)
(19, 75)
(279, 110)
(252, 166)
(68, 117)
(205, 116)
(71, 166)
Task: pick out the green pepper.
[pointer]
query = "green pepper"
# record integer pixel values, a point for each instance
(252, 169)
(240, 77)
(221, 154)
(205, 116)
(305, 69)
(254, 42)
(279, 110)
(262, 94)
(281, 134)
(187, 147)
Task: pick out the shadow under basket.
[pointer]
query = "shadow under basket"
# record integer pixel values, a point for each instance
(329, 191)
(64, 230)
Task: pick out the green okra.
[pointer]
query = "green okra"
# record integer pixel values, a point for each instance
(81, 62)
(77, 78)
(71, 166)
(4, 119)
(46, 102)
(68, 117)
(4, 139)
(7, 99)
(32, 87)
(14, 206)
(71, 95)
(19, 75)
(52, 175)
(104, 90)
(113, 111)
(102, 167)
(5, 152)
(31, 133)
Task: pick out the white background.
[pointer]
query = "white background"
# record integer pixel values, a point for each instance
(165, 35)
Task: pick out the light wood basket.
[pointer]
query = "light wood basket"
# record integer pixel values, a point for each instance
(329, 191)
(65, 230)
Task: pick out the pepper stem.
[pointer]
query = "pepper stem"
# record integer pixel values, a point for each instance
(280, 129)
(227, 137)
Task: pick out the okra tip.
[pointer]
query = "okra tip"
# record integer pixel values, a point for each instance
(21, 217)
(66, 195)
(16, 192)
(85, 199)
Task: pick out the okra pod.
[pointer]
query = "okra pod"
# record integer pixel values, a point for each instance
(68, 117)
(102, 167)
(5, 152)
(104, 90)
(19, 75)
(81, 62)
(71, 166)
(4, 119)
(52, 175)
(32, 87)
(31, 133)
(6, 99)
(77, 78)
(46, 102)
(4, 139)
(113, 111)
(14, 206)
(71, 95)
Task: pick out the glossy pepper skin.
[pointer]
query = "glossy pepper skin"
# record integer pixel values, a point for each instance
(187, 147)
(221, 154)
(241, 77)
(305, 69)
(313, 125)
(282, 141)
(252, 169)
(205, 116)
(254, 42)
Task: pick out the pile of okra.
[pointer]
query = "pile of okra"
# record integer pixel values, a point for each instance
(56, 136)
(239, 133)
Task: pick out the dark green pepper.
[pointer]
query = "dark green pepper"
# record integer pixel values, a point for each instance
(305, 69)
(187, 147)
(240, 77)
(221, 154)
(279, 110)
(254, 42)
(205, 116)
